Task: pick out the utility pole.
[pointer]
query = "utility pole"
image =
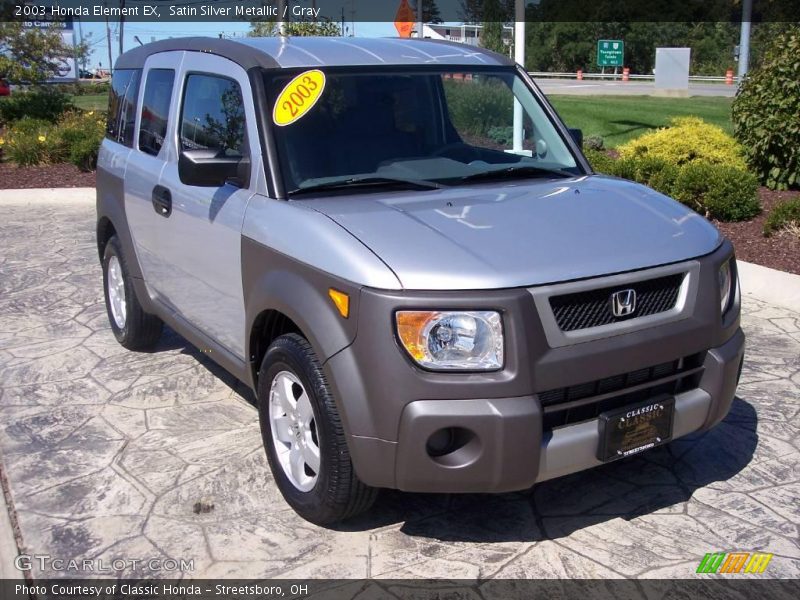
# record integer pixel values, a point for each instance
(122, 27)
(108, 39)
(419, 19)
(744, 39)
(519, 57)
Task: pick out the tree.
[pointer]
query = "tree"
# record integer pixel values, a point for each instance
(493, 20)
(323, 28)
(766, 113)
(34, 55)
(430, 11)
(480, 11)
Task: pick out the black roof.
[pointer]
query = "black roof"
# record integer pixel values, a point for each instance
(289, 52)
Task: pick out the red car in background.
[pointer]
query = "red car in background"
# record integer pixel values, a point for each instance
(5, 88)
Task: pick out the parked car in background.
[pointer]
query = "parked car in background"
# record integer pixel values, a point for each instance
(401, 248)
(5, 88)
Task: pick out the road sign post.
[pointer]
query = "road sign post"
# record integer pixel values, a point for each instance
(610, 53)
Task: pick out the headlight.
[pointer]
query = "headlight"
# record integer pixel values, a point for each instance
(725, 286)
(452, 340)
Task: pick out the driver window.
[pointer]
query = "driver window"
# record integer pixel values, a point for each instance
(212, 117)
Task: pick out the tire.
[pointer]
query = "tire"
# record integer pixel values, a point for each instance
(333, 493)
(132, 326)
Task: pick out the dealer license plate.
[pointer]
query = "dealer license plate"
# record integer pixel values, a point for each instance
(633, 429)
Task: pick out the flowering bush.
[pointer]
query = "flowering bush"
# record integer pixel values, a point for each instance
(75, 138)
(28, 142)
(78, 136)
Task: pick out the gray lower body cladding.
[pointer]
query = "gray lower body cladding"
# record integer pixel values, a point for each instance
(391, 407)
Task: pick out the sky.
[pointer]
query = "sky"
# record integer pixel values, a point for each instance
(149, 31)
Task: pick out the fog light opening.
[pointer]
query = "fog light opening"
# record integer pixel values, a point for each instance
(453, 446)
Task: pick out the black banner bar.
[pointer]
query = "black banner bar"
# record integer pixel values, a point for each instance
(450, 11)
(738, 587)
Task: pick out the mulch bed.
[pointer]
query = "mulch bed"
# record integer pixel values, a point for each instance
(781, 251)
(51, 176)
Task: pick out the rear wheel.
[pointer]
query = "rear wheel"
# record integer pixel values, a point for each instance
(304, 438)
(133, 328)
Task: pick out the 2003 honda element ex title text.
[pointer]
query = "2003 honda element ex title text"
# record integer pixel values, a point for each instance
(401, 248)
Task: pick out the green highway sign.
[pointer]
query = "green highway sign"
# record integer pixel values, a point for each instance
(610, 53)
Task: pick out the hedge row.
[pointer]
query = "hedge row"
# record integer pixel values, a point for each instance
(75, 138)
(717, 191)
(692, 161)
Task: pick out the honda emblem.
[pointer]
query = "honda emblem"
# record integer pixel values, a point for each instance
(623, 303)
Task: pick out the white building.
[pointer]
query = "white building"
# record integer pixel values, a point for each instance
(463, 34)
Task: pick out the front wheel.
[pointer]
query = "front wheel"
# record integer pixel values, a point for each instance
(303, 436)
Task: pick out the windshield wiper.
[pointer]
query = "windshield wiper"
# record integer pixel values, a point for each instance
(517, 171)
(362, 182)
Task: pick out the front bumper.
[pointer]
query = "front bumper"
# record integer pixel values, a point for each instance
(390, 407)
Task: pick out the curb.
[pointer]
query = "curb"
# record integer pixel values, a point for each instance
(770, 285)
(762, 283)
(9, 547)
(47, 195)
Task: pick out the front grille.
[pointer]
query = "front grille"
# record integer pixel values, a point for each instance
(592, 308)
(584, 401)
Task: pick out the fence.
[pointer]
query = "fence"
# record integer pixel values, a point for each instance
(618, 76)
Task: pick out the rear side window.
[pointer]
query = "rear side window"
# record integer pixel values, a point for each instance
(155, 109)
(122, 105)
(213, 116)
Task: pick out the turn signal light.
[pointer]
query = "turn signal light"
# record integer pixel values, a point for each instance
(341, 301)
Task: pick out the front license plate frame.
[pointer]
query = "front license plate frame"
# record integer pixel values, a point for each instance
(635, 428)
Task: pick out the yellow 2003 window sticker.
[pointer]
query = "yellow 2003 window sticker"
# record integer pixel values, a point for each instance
(298, 97)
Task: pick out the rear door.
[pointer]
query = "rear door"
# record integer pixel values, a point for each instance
(148, 158)
(200, 240)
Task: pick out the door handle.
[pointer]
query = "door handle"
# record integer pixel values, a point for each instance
(162, 201)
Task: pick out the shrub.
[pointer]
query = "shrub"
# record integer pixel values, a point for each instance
(76, 139)
(44, 103)
(664, 180)
(85, 88)
(29, 142)
(78, 136)
(783, 216)
(718, 191)
(625, 168)
(688, 139)
(766, 114)
(594, 142)
(475, 107)
(600, 161)
(501, 135)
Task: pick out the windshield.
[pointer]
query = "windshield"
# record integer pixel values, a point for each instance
(449, 127)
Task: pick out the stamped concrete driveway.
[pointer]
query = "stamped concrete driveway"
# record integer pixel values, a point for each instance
(106, 452)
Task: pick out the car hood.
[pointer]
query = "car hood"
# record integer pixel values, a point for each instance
(521, 233)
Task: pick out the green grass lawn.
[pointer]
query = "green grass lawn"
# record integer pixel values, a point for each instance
(93, 102)
(618, 119)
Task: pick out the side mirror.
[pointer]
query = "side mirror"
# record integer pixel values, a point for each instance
(205, 168)
(577, 135)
